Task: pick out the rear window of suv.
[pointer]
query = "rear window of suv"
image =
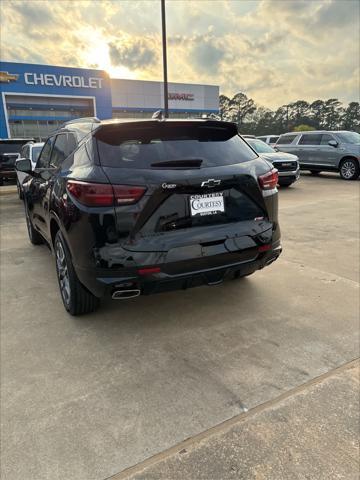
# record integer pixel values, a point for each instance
(286, 139)
(190, 145)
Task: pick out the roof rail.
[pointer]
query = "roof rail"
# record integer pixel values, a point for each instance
(209, 116)
(81, 120)
(158, 115)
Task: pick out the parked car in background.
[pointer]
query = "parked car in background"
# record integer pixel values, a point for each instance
(286, 163)
(325, 151)
(270, 139)
(141, 206)
(31, 151)
(9, 153)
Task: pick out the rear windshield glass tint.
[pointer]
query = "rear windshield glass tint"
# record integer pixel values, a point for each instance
(11, 147)
(147, 146)
(286, 139)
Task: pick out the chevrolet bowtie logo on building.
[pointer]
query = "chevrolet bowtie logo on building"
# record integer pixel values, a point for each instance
(6, 77)
(211, 183)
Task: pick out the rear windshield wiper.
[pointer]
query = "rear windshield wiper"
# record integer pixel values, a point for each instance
(186, 163)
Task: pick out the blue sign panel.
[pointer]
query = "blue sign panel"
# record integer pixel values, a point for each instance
(52, 82)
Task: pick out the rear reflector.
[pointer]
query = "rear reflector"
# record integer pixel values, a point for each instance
(269, 180)
(264, 248)
(149, 270)
(104, 194)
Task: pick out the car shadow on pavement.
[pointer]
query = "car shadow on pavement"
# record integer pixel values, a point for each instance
(203, 303)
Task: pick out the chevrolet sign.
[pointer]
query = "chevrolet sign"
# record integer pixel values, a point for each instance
(52, 80)
(6, 77)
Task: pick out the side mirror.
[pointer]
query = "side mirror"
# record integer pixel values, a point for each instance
(23, 165)
(333, 143)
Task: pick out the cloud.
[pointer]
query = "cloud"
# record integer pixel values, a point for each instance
(35, 13)
(206, 55)
(134, 55)
(275, 51)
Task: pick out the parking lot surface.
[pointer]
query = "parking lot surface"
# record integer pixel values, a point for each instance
(84, 398)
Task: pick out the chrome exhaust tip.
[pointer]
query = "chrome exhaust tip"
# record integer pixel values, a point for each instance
(125, 294)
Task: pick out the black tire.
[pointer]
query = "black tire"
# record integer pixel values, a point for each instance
(315, 172)
(349, 169)
(285, 184)
(76, 298)
(34, 236)
(19, 190)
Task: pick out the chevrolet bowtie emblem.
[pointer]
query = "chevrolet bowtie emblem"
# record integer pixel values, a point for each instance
(6, 77)
(211, 183)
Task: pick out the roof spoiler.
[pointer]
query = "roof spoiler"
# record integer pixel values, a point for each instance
(81, 120)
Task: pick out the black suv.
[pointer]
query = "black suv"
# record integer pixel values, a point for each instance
(142, 206)
(9, 152)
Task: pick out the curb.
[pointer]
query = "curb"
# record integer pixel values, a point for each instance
(139, 468)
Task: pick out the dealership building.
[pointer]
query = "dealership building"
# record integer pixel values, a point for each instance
(36, 99)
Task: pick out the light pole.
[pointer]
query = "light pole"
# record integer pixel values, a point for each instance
(163, 22)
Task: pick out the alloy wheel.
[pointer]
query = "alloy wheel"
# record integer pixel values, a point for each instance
(348, 170)
(28, 222)
(63, 273)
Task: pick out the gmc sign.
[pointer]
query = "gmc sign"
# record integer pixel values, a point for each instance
(181, 96)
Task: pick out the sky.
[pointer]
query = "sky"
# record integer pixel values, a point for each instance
(275, 51)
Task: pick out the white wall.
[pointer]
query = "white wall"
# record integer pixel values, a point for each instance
(145, 94)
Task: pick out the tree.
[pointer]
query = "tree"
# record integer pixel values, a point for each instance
(327, 114)
(303, 128)
(224, 106)
(317, 113)
(240, 107)
(333, 112)
(351, 117)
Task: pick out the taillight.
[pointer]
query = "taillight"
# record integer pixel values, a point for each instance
(269, 180)
(104, 194)
(91, 194)
(264, 248)
(149, 270)
(126, 194)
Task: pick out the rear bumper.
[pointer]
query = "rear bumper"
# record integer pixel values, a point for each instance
(163, 282)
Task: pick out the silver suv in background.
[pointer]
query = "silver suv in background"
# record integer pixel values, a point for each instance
(286, 164)
(324, 151)
(269, 139)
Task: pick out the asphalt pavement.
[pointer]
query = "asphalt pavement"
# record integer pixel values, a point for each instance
(87, 398)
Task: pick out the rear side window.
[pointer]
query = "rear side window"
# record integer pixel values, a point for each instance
(65, 144)
(169, 145)
(72, 143)
(35, 154)
(325, 138)
(43, 161)
(307, 139)
(286, 139)
(59, 151)
(273, 139)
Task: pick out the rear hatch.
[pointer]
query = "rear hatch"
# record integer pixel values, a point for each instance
(200, 187)
(7, 161)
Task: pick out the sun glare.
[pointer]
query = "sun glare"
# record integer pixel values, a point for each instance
(97, 56)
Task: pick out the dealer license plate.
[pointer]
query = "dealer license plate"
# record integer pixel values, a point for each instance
(207, 204)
